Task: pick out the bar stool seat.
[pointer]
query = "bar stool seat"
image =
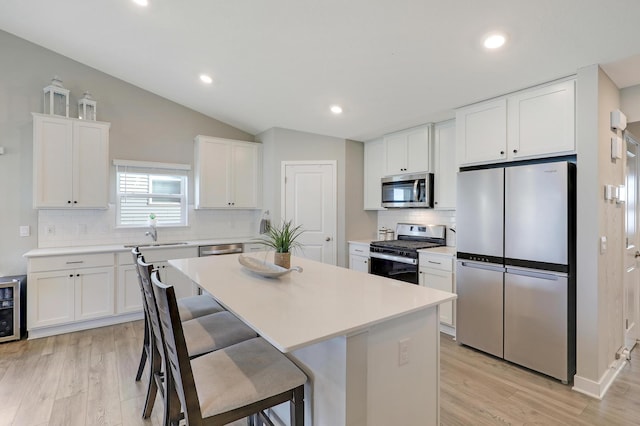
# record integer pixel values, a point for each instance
(214, 331)
(249, 371)
(191, 307)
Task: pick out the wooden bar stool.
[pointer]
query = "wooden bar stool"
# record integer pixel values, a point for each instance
(189, 307)
(201, 335)
(238, 381)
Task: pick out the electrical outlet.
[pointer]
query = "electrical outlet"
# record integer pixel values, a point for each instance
(25, 231)
(403, 351)
(50, 230)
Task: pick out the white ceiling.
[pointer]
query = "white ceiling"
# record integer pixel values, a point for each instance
(391, 64)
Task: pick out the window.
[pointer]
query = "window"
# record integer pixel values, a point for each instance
(150, 188)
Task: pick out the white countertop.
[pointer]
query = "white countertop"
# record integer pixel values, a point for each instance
(447, 250)
(62, 251)
(300, 309)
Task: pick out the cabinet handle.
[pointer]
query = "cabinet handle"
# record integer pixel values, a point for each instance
(435, 263)
(75, 202)
(501, 152)
(77, 275)
(70, 275)
(68, 201)
(515, 151)
(75, 262)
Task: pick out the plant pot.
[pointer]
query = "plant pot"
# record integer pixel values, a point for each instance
(282, 259)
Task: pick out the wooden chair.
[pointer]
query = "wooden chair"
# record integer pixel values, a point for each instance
(232, 383)
(202, 335)
(190, 307)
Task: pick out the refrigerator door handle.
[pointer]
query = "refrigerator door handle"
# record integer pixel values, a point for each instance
(478, 265)
(551, 276)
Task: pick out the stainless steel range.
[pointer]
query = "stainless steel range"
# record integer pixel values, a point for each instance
(398, 259)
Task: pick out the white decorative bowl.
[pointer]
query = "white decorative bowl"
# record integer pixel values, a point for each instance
(263, 268)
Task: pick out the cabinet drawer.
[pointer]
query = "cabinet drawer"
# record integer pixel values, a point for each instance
(359, 249)
(444, 263)
(56, 263)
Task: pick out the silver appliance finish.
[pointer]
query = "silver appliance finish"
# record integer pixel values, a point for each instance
(407, 191)
(479, 307)
(535, 221)
(535, 320)
(479, 223)
(530, 282)
(218, 249)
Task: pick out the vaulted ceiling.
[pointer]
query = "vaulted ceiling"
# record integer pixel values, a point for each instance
(283, 63)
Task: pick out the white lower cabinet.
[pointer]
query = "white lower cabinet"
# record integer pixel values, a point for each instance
(129, 295)
(359, 256)
(60, 295)
(436, 271)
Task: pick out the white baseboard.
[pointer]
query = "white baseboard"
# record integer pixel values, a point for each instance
(598, 389)
(447, 329)
(84, 325)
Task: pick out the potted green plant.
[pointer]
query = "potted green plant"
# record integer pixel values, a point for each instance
(282, 239)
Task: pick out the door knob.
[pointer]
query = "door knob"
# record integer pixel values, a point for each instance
(637, 254)
(329, 239)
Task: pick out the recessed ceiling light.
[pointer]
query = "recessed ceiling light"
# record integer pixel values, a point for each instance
(206, 79)
(141, 2)
(336, 109)
(494, 41)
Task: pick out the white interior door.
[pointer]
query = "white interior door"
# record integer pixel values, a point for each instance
(632, 251)
(309, 199)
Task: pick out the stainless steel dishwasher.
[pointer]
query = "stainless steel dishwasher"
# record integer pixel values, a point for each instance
(220, 249)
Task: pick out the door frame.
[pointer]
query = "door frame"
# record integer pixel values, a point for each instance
(631, 336)
(334, 195)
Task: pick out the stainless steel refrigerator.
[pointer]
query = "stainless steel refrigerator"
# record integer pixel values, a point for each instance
(515, 271)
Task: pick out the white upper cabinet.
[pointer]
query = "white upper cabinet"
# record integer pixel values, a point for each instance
(374, 169)
(71, 163)
(542, 121)
(481, 132)
(227, 173)
(533, 123)
(408, 151)
(445, 168)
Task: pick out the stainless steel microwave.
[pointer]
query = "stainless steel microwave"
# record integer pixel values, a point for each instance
(408, 191)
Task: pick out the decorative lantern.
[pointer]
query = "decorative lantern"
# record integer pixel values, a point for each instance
(87, 107)
(56, 98)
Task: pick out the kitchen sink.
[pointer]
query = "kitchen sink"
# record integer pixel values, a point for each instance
(154, 245)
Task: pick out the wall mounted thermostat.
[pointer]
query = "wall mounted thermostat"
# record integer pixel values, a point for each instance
(618, 120)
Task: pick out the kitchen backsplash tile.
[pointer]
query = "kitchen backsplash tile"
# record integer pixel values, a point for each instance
(391, 217)
(68, 228)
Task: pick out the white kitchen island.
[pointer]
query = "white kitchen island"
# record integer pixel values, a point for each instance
(369, 345)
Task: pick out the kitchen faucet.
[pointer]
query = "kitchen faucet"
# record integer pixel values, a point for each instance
(153, 233)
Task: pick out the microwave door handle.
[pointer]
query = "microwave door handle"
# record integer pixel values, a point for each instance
(416, 194)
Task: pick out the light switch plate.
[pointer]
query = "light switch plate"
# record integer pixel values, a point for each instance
(25, 231)
(603, 245)
(616, 147)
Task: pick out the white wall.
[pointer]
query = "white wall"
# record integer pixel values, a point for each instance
(599, 275)
(143, 127)
(290, 145)
(630, 103)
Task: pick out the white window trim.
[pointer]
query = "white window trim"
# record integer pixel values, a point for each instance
(148, 167)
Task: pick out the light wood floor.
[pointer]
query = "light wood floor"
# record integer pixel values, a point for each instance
(86, 378)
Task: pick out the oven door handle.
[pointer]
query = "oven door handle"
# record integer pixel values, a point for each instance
(392, 258)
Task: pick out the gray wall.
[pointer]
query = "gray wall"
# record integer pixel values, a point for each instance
(289, 145)
(143, 127)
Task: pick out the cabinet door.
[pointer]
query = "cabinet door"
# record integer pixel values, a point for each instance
(94, 293)
(481, 132)
(395, 151)
(52, 165)
(440, 280)
(374, 167)
(542, 121)
(213, 172)
(418, 149)
(50, 298)
(359, 263)
(245, 172)
(129, 296)
(91, 164)
(445, 170)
